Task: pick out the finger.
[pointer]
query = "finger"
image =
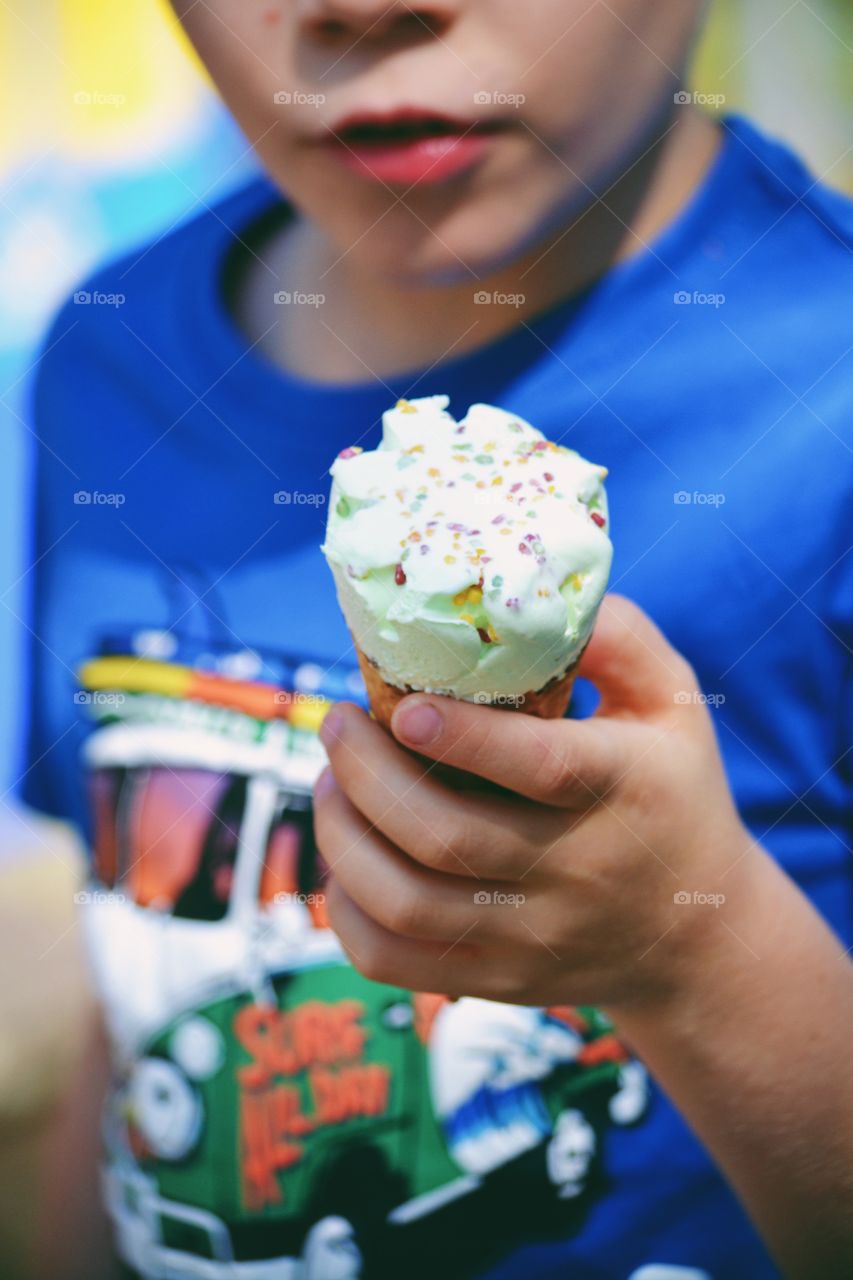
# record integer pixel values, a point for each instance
(396, 892)
(459, 834)
(631, 662)
(463, 968)
(555, 762)
(382, 956)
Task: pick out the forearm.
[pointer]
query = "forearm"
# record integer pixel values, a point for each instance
(754, 1048)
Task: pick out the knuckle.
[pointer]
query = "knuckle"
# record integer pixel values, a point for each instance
(480, 746)
(385, 798)
(323, 829)
(434, 844)
(511, 987)
(403, 913)
(338, 920)
(334, 832)
(442, 844)
(554, 772)
(363, 945)
(642, 787)
(337, 753)
(371, 960)
(465, 840)
(333, 892)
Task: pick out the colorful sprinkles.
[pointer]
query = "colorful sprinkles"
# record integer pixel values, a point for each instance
(477, 465)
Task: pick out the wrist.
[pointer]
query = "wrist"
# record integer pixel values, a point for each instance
(750, 1043)
(710, 952)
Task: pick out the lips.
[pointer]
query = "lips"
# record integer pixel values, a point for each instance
(409, 146)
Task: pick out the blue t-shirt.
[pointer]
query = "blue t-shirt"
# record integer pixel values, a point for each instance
(712, 374)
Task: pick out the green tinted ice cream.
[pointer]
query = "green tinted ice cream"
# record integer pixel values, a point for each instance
(470, 557)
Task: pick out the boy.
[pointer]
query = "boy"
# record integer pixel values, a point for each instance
(513, 205)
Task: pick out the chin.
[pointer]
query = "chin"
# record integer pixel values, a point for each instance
(463, 245)
(417, 256)
(444, 235)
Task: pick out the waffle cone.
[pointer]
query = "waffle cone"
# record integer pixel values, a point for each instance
(548, 703)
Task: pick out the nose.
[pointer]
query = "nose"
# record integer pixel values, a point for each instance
(333, 20)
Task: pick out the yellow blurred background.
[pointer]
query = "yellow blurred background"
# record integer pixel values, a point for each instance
(109, 115)
(110, 131)
(786, 64)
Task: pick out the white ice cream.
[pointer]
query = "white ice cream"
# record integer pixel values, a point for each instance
(470, 557)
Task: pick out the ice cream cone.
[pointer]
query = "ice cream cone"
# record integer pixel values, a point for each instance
(550, 703)
(470, 558)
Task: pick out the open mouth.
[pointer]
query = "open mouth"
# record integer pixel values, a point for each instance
(410, 146)
(404, 128)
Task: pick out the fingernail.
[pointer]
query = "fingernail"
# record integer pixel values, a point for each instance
(420, 724)
(330, 729)
(324, 784)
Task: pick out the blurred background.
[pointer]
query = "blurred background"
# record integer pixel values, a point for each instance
(110, 134)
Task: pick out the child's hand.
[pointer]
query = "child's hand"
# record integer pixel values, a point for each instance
(567, 881)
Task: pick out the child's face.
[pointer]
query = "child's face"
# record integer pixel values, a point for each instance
(536, 103)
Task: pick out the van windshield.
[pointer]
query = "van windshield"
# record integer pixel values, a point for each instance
(291, 869)
(169, 837)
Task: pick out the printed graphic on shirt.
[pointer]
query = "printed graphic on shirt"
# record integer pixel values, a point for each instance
(274, 1113)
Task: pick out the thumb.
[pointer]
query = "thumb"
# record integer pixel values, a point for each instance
(632, 664)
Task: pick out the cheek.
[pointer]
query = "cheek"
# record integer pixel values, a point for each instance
(247, 47)
(595, 76)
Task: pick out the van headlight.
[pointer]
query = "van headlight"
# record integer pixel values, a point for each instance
(165, 1108)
